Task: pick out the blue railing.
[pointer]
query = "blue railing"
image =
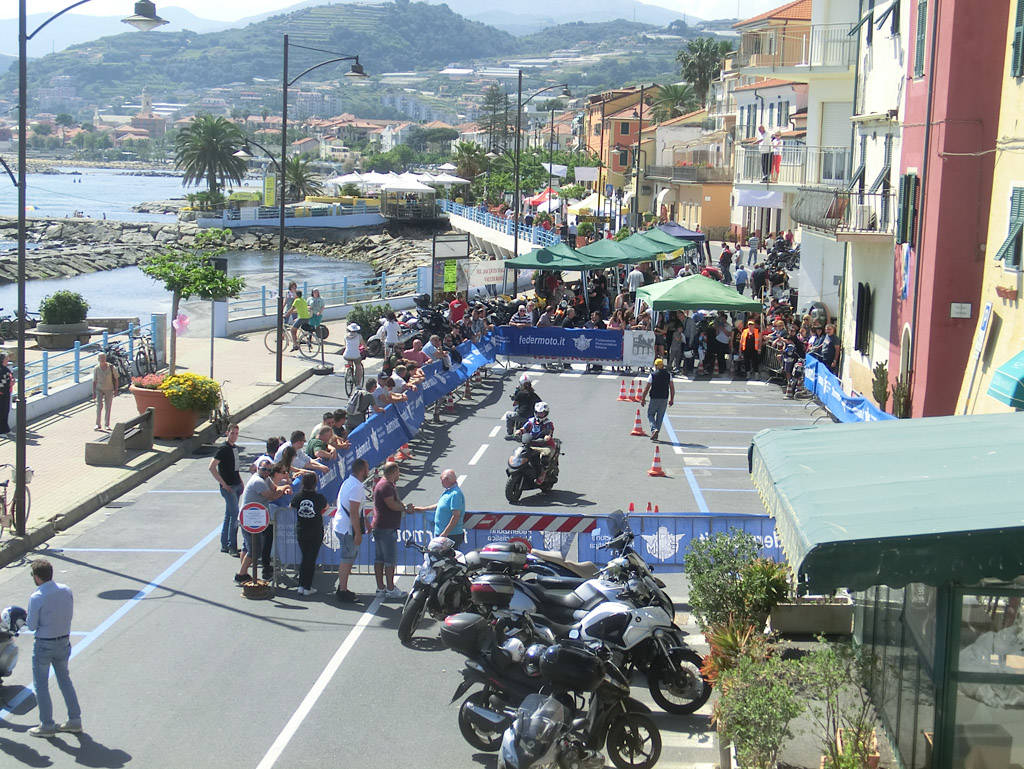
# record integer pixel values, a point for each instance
(537, 235)
(262, 301)
(271, 214)
(56, 370)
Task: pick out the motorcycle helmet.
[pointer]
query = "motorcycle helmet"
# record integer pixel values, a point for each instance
(525, 379)
(616, 568)
(531, 660)
(514, 649)
(541, 410)
(13, 619)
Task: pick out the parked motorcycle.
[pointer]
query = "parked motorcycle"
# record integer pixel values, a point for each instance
(524, 468)
(12, 620)
(441, 587)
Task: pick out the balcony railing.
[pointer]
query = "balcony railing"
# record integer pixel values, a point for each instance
(827, 166)
(843, 211)
(690, 174)
(819, 45)
(722, 107)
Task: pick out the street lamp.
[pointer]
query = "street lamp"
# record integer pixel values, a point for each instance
(355, 71)
(144, 19)
(636, 162)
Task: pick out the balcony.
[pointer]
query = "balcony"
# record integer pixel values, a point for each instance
(847, 215)
(826, 166)
(690, 174)
(819, 46)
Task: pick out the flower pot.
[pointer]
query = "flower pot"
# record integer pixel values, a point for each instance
(872, 758)
(168, 421)
(832, 616)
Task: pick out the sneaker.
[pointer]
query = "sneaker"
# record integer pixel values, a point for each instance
(310, 591)
(268, 571)
(43, 731)
(233, 552)
(396, 594)
(654, 434)
(381, 594)
(346, 596)
(72, 725)
(242, 578)
(301, 591)
(223, 549)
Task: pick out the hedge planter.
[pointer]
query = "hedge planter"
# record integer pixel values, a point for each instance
(832, 616)
(168, 421)
(60, 336)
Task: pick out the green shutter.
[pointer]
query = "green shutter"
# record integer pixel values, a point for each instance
(1017, 57)
(913, 183)
(922, 28)
(901, 211)
(1017, 204)
(907, 209)
(1011, 246)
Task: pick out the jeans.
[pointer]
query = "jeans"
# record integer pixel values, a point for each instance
(310, 538)
(656, 412)
(229, 531)
(56, 654)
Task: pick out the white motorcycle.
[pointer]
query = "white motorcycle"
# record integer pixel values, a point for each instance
(12, 620)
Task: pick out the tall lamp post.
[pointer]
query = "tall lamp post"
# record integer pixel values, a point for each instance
(356, 70)
(636, 163)
(144, 19)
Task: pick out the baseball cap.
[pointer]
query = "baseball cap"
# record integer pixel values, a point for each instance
(659, 363)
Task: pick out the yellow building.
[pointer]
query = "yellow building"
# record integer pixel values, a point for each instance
(994, 378)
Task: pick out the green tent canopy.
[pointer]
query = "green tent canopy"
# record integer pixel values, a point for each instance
(664, 239)
(613, 252)
(1008, 382)
(643, 244)
(695, 292)
(556, 257)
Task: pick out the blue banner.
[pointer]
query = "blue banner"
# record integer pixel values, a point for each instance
(567, 344)
(824, 385)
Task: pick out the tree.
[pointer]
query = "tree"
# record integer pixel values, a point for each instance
(470, 160)
(300, 180)
(701, 62)
(205, 149)
(188, 272)
(42, 129)
(494, 117)
(674, 100)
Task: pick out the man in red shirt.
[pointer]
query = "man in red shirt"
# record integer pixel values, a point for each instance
(416, 354)
(387, 518)
(457, 308)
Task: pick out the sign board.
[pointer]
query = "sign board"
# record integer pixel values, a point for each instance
(638, 348)
(485, 273)
(450, 263)
(254, 518)
(270, 190)
(563, 344)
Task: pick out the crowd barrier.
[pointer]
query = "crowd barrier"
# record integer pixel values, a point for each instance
(581, 345)
(828, 390)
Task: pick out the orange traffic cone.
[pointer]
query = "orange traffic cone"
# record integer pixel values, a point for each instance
(638, 426)
(622, 391)
(632, 391)
(655, 507)
(404, 452)
(639, 390)
(631, 508)
(394, 458)
(656, 470)
(468, 394)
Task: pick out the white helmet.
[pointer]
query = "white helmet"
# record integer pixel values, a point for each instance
(524, 379)
(541, 410)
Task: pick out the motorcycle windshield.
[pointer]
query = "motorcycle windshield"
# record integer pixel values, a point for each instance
(538, 722)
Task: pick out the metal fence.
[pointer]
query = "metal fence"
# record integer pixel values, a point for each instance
(695, 174)
(270, 215)
(836, 211)
(800, 165)
(57, 370)
(818, 45)
(262, 301)
(537, 235)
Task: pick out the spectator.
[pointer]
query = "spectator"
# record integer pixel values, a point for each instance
(310, 507)
(750, 347)
(634, 280)
(722, 347)
(741, 279)
(457, 308)
(758, 279)
(387, 518)
(829, 348)
(362, 402)
(753, 243)
(388, 393)
(547, 318)
(6, 387)
(319, 446)
(348, 526)
(416, 354)
(776, 155)
(269, 483)
(573, 233)
(104, 388)
(569, 319)
(789, 238)
(663, 393)
(392, 331)
(448, 510)
(595, 321)
(340, 415)
(725, 263)
(299, 460)
(521, 318)
(224, 469)
(479, 325)
(316, 308)
(764, 146)
(435, 349)
(273, 444)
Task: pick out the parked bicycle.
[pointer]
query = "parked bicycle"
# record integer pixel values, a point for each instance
(8, 511)
(118, 358)
(145, 355)
(9, 324)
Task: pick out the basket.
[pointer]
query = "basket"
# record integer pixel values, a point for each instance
(257, 590)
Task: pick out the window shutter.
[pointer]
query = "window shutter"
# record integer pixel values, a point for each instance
(922, 28)
(901, 213)
(871, 19)
(913, 185)
(1017, 57)
(1017, 204)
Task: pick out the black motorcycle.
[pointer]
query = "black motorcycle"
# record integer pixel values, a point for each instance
(441, 587)
(524, 468)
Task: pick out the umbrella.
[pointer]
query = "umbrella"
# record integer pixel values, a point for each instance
(446, 167)
(344, 179)
(543, 197)
(447, 180)
(695, 292)
(374, 179)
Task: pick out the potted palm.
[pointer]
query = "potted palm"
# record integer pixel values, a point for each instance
(179, 401)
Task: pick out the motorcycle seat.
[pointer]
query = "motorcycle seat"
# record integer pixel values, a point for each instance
(586, 569)
(560, 583)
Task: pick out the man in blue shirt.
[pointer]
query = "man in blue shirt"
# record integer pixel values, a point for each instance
(49, 616)
(450, 510)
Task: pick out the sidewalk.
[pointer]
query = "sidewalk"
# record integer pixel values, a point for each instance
(65, 489)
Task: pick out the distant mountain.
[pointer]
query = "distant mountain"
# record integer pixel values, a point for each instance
(569, 35)
(547, 13)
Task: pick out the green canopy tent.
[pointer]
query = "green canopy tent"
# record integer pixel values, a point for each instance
(613, 252)
(557, 257)
(695, 292)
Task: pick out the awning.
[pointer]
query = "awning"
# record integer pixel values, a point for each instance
(759, 198)
(1008, 383)
(556, 257)
(662, 195)
(695, 292)
(930, 500)
(678, 231)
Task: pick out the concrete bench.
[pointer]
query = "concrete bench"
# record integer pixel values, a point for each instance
(112, 449)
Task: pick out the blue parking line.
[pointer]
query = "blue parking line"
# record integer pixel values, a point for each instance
(695, 488)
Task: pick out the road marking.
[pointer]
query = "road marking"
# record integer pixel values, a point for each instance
(118, 550)
(697, 460)
(724, 432)
(671, 434)
(494, 431)
(695, 488)
(318, 688)
(794, 420)
(461, 479)
(570, 376)
(183, 491)
(479, 453)
(758, 404)
(734, 491)
(126, 607)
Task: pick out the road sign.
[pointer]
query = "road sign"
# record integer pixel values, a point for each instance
(254, 518)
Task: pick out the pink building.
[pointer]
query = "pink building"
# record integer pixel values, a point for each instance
(953, 83)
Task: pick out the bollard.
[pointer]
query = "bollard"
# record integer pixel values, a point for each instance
(263, 300)
(78, 362)
(46, 373)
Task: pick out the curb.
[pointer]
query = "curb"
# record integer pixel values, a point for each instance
(15, 548)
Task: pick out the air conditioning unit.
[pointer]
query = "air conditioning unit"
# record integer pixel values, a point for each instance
(864, 217)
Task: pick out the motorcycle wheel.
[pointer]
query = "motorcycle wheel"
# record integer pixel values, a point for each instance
(375, 348)
(514, 488)
(673, 688)
(412, 613)
(481, 740)
(634, 742)
(547, 486)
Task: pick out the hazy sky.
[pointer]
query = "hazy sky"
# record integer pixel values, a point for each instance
(233, 9)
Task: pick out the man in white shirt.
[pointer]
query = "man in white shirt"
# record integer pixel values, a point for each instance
(348, 526)
(302, 460)
(764, 146)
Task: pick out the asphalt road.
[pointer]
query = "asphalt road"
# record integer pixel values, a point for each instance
(175, 669)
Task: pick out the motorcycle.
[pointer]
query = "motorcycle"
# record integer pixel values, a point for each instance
(524, 468)
(563, 729)
(441, 587)
(12, 620)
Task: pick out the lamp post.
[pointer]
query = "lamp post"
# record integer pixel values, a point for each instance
(144, 19)
(356, 70)
(551, 155)
(636, 164)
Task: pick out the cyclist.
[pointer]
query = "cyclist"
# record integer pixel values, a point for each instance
(353, 351)
(302, 315)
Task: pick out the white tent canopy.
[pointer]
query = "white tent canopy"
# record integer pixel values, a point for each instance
(352, 178)
(555, 170)
(405, 185)
(446, 167)
(448, 179)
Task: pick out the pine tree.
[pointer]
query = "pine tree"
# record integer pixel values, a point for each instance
(494, 119)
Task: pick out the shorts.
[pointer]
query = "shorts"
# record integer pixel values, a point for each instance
(302, 323)
(385, 543)
(349, 549)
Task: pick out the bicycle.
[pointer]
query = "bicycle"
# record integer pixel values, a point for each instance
(310, 340)
(118, 358)
(221, 413)
(7, 518)
(270, 339)
(9, 324)
(145, 355)
(351, 380)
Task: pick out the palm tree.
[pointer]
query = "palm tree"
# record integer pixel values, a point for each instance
(300, 180)
(205, 149)
(701, 62)
(470, 160)
(674, 100)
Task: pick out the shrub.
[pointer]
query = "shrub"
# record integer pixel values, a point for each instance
(585, 230)
(149, 381)
(191, 392)
(728, 643)
(63, 307)
(368, 317)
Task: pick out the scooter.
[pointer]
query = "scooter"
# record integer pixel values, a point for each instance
(12, 620)
(524, 468)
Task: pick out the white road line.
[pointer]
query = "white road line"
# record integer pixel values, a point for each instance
(319, 686)
(677, 449)
(697, 460)
(571, 376)
(479, 453)
(460, 480)
(494, 431)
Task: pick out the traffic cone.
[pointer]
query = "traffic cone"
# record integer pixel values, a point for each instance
(638, 426)
(632, 391)
(655, 507)
(656, 470)
(468, 394)
(632, 510)
(394, 458)
(405, 452)
(622, 391)
(639, 391)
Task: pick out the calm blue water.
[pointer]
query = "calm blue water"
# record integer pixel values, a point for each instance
(97, 191)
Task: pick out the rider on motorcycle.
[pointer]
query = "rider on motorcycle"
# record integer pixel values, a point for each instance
(523, 399)
(542, 438)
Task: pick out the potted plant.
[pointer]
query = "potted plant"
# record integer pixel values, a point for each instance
(813, 614)
(62, 321)
(179, 401)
